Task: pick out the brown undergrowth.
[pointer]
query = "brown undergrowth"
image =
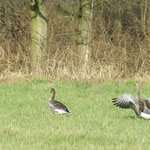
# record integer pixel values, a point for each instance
(64, 66)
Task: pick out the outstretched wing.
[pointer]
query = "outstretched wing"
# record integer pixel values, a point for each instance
(125, 101)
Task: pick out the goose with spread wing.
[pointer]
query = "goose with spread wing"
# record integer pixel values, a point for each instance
(56, 106)
(128, 101)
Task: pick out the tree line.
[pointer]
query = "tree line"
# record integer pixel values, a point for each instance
(75, 35)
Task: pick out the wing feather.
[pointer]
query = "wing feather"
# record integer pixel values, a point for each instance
(57, 105)
(125, 101)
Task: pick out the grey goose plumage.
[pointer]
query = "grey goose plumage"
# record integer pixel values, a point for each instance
(128, 101)
(56, 106)
(144, 105)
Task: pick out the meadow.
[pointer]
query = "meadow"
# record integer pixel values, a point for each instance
(94, 124)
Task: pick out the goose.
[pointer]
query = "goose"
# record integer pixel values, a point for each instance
(56, 106)
(128, 101)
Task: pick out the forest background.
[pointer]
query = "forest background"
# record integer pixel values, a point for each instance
(120, 43)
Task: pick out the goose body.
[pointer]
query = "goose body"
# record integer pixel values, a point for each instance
(144, 115)
(56, 106)
(128, 101)
(145, 106)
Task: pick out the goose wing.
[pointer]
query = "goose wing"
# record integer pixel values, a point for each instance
(125, 101)
(58, 105)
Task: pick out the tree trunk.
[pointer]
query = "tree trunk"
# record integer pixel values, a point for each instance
(84, 34)
(2, 14)
(148, 24)
(38, 33)
(144, 8)
(145, 22)
(117, 31)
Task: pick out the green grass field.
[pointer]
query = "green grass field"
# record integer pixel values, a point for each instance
(95, 123)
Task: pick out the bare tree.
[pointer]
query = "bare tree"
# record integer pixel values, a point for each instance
(84, 33)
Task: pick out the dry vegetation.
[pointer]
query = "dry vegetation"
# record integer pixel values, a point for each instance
(120, 45)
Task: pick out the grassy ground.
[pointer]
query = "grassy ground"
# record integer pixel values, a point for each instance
(25, 122)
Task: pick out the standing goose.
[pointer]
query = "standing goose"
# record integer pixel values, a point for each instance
(56, 106)
(127, 101)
